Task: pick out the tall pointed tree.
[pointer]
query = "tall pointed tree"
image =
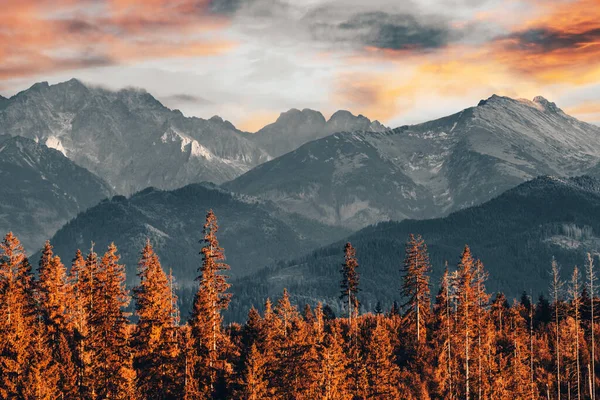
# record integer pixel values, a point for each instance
(576, 307)
(415, 287)
(556, 290)
(254, 386)
(206, 320)
(591, 287)
(56, 302)
(108, 337)
(349, 283)
(25, 358)
(154, 343)
(466, 317)
(443, 329)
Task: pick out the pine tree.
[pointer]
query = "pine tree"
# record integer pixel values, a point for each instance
(556, 290)
(576, 307)
(443, 329)
(56, 301)
(254, 385)
(591, 287)
(466, 313)
(349, 284)
(334, 364)
(110, 365)
(155, 344)
(81, 281)
(206, 320)
(382, 373)
(25, 360)
(415, 288)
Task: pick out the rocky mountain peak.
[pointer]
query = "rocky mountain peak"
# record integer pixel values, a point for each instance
(295, 116)
(546, 104)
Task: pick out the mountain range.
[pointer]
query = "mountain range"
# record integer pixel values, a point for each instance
(515, 235)
(298, 184)
(354, 179)
(293, 128)
(254, 233)
(132, 141)
(42, 189)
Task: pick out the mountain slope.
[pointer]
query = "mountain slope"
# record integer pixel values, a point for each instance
(294, 128)
(41, 190)
(427, 170)
(128, 137)
(253, 233)
(515, 235)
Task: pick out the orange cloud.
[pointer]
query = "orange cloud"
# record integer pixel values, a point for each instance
(560, 45)
(42, 36)
(587, 111)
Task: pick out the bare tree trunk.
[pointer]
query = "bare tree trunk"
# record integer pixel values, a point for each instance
(591, 280)
(467, 350)
(556, 284)
(531, 347)
(448, 331)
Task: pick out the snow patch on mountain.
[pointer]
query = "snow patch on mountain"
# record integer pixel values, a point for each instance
(54, 143)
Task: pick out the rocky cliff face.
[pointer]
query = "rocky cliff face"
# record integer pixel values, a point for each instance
(128, 137)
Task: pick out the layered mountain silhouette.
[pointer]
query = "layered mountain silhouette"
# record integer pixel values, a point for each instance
(294, 128)
(254, 233)
(354, 179)
(132, 141)
(515, 235)
(42, 190)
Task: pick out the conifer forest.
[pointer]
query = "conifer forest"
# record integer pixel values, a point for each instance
(65, 334)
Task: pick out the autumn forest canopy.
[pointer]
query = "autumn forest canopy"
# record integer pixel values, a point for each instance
(66, 332)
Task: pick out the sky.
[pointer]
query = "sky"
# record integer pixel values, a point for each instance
(398, 61)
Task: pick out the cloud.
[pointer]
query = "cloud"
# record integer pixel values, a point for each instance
(396, 31)
(185, 98)
(545, 40)
(39, 36)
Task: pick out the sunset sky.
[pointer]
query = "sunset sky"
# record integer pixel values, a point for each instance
(248, 60)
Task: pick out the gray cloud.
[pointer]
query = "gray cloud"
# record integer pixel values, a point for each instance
(186, 98)
(543, 40)
(397, 31)
(225, 7)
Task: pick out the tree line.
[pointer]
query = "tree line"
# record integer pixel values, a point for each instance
(65, 334)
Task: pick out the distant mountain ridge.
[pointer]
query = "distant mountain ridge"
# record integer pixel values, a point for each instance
(294, 128)
(515, 235)
(355, 179)
(131, 140)
(41, 190)
(128, 137)
(254, 233)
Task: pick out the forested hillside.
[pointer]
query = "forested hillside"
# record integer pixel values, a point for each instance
(515, 234)
(65, 334)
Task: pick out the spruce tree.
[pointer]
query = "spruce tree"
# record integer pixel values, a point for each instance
(56, 302)
(211, 298)
(349, 283)
(111, 370)
(415, 288)
(26, 367)
(154, 343)
(254, 385)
